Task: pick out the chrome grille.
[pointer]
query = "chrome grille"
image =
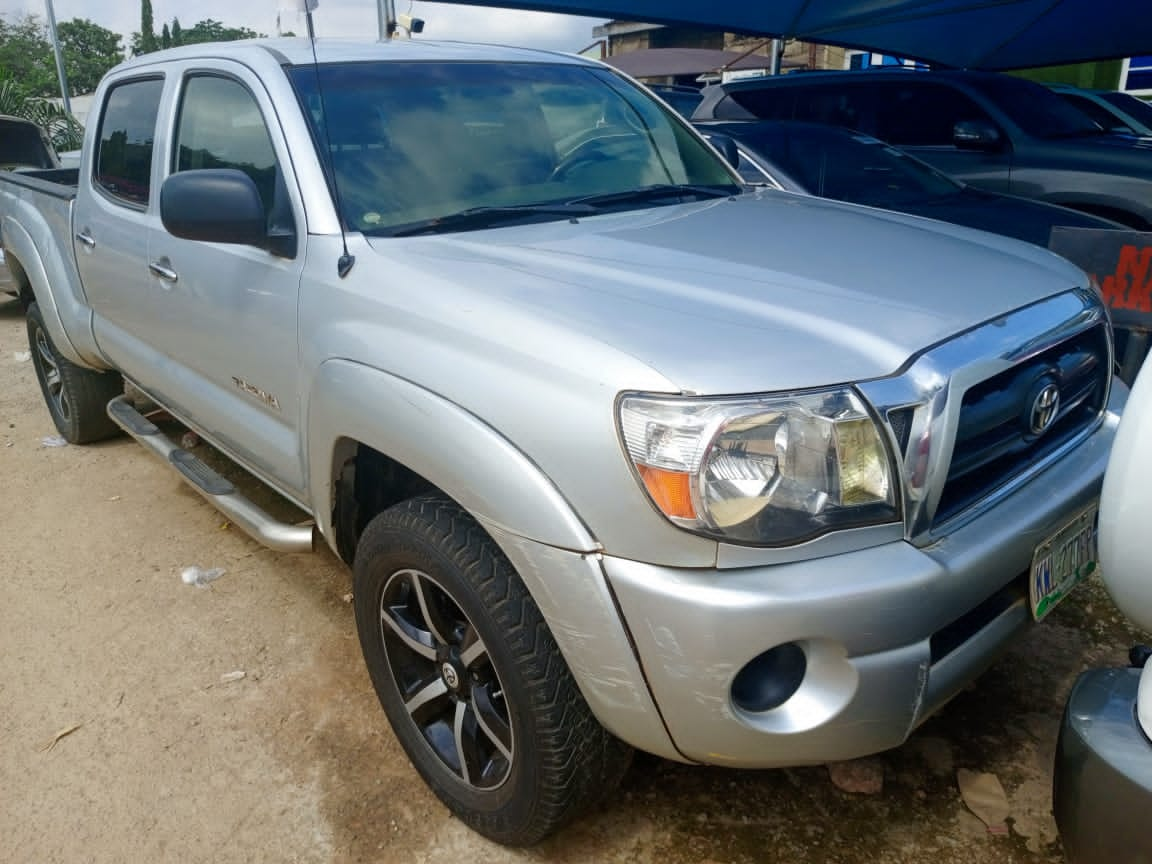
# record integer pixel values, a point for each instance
(1008, 422)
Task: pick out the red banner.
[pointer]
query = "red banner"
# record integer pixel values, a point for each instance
(1120, 262)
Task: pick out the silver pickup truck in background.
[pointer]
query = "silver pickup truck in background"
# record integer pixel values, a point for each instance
(622, 454)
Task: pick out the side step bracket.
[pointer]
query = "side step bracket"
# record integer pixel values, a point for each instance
(217, 490)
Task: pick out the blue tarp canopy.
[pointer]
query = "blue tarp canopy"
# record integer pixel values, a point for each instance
(973, 34)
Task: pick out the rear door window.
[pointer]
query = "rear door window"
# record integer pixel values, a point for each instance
(123, 165)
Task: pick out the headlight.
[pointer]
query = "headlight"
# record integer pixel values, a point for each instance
(770, 470)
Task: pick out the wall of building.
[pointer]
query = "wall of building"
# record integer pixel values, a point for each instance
(797, 54)
(1103, 75)
(624, 36)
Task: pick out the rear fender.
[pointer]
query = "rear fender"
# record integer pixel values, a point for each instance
(20, 247)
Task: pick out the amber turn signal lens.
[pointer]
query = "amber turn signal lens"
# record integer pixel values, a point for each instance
(671, 490)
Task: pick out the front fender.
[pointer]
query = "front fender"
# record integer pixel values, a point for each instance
(523, 512)
(446, 445)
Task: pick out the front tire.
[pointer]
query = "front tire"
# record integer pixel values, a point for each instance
(471, 679)
(77, 398)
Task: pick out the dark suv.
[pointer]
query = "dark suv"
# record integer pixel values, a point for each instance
(992, 131)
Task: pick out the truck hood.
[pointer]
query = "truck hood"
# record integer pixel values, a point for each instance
(763, 292)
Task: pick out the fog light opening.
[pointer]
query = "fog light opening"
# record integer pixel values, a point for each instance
(770, 679)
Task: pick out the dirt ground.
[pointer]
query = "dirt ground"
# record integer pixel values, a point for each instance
(170, 756)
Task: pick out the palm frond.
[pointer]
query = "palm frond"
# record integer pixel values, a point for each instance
(63, 129)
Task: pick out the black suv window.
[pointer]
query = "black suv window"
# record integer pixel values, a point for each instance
(221, 126)
(923, 114)
(768, 103)
(837, 104)
(1035, 108)
(127, 131)
(845, 104)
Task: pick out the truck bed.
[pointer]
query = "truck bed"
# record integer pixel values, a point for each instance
(57, 182)
(36, 231)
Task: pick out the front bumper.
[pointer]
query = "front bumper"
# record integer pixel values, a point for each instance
(889, 633)
(1102, 783)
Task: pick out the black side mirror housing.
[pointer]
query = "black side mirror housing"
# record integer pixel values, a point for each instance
(975, 135)
(726, 145)
(216, 205)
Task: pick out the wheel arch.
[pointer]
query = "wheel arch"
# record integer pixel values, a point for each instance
(376, 439)
(20, 278)
(27, 268)
(366, 426)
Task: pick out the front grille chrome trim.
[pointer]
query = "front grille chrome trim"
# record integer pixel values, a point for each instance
(933, 385)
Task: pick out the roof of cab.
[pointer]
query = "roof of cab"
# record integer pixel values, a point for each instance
(298, 51)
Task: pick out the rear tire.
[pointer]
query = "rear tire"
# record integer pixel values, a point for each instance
(77, 398)
(471, 679)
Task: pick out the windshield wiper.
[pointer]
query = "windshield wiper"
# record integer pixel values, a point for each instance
(652, 193)
(475, 218)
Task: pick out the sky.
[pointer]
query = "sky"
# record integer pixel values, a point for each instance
(343, 18)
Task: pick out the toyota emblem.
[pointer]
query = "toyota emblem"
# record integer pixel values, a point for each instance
(448, 673)
(1044, 409)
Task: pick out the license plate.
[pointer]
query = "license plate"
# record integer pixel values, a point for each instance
(1061, 561)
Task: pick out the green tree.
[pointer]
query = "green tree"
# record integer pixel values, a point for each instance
(26, 56)
(89, 51)
(165, 36)
(147, 28)
(177, 32)
(210, 30)
(63, 129)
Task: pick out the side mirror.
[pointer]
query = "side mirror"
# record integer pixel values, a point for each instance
(214, 205)
(727, 147)
(975, 135)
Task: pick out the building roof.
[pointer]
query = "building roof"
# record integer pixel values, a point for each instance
(663, 62)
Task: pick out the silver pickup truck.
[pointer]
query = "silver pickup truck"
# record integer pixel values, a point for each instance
(621, 453)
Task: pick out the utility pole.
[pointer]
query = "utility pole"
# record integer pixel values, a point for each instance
(307, 7)
(386, 18)
(60, 73)
(774, 60)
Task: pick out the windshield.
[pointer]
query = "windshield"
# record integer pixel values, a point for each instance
(1035, 108)
(1100, 113)
(836, 163)
(1131, 106)
(416, 143)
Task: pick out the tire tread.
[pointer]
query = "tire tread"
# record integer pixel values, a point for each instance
(580, 762)
(88, 391)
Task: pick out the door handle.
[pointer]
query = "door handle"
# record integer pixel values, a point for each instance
(86, 238)
(161, 270)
